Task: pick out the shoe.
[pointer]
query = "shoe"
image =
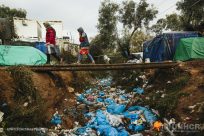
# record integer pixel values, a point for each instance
(93, 62)
(78, 62)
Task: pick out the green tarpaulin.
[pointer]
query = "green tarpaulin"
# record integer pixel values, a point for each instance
(21, 55)
(190, 48)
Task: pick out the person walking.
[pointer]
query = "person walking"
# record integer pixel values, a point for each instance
(84, 46)
(52, 48)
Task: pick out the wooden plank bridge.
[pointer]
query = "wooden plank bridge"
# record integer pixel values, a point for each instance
(99, 67)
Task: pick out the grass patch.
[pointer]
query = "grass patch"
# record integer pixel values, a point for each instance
(171, 91)
(25, 88)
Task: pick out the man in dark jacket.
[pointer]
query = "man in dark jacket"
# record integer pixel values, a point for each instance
(84, 46)
(52, 48)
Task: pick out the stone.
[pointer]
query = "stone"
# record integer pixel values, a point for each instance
(70, 89)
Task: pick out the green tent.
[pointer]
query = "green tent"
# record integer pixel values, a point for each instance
(21, 55)
(190, 48)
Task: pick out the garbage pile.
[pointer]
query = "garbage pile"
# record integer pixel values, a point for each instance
(109, 113)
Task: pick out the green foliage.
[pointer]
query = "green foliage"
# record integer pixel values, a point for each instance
(191, 13)
(173, 22)
(24, 83)
(191, 18)
(159, 26)
(124, 42)
(95, 48)
(133, 15)
(6, 12)
(167, 104)
(137, 40)
(107, 25)
(133, 45)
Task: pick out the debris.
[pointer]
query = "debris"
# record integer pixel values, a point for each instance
(25, 104)
(163, 95)
(113, 89)
(70, 89)
(139, 90)
(56, 120)
(1, 116)
(157, 125)
(110, 111)
(192, 107)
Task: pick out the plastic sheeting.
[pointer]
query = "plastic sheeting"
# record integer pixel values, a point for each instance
(190, 48)
(21, 55)
(163, 46)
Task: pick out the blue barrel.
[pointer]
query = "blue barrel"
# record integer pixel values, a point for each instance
(41, 46)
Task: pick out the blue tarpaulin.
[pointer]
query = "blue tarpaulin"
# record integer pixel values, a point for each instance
(163, 46)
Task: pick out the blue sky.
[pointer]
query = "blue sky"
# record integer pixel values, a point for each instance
(76, 13)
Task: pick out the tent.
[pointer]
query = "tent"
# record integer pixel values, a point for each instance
(163, 46)
(190, 48)
(21, 55)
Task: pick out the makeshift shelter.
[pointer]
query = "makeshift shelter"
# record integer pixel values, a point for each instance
(190, 48)
(163, 46)
(21, 55)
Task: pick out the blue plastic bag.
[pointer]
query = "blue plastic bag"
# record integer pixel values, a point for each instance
(123, 97)
(149, 116)
(80, 98)
(56, 119)
(89, 91)
(131, 116)
(101, 118)
(109, 101)
(136, 128)
(106, 130)
(101, 94)
(116, 108)
(123, 132)
(80, 131)
(139, 90)
(99, 100)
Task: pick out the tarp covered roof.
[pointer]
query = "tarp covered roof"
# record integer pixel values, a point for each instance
(163, 46)
(190, 48)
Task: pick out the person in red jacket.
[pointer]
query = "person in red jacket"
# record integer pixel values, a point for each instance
(52, 48)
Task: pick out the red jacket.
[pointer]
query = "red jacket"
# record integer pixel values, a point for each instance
(50, 35)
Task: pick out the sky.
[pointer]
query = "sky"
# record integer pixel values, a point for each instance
(77, 13)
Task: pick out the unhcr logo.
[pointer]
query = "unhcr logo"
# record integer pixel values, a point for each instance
(172, 127)
(184, 127)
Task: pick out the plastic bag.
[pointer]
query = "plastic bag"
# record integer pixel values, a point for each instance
(109, 101)
(101, 118)
(123, 132)
(116, 108)
(56, 119)
(136, 128)
(139, 90)
(149, 116)
(107, 130)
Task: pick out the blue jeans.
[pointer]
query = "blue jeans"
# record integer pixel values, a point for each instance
(80, 57)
